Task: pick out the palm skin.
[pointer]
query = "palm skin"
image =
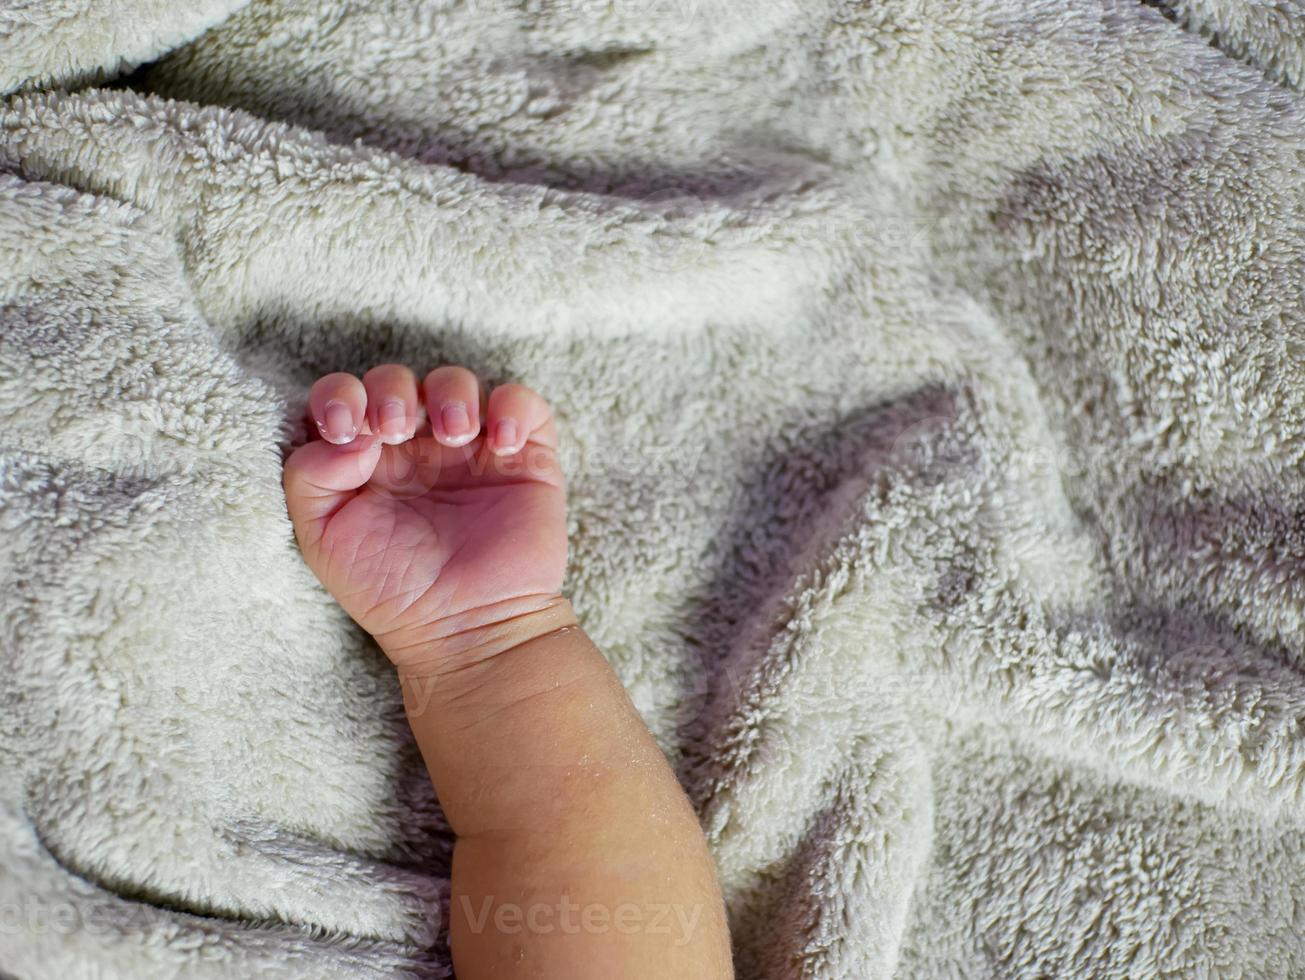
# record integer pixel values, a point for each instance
(422, 542)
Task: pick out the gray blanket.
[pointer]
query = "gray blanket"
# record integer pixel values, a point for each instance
(930, 377)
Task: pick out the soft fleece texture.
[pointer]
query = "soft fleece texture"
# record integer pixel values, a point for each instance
(931, 379)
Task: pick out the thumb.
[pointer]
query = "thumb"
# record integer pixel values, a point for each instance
(320, 478)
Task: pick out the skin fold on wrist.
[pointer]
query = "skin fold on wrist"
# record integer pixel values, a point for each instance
(444, 669)
(476, 635)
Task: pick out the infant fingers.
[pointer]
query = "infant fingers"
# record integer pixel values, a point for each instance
(517, 415)
(393, 411)
(338, 403)
(320, 478)
(453, 404)
(386, 403)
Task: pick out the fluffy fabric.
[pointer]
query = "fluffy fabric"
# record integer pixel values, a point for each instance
(929, 375)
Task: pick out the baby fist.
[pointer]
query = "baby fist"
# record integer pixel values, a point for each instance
(430, 513)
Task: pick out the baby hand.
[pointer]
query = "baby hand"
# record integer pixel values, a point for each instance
(429, 533)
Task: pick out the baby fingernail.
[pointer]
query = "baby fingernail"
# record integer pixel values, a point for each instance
(454, 419)
(394, 418)
(505, 436)
(339, 427)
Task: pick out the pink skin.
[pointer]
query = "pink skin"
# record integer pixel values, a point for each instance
(424, 532)
(446, 541)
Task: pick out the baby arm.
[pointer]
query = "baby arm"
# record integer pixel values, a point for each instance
(577, 853)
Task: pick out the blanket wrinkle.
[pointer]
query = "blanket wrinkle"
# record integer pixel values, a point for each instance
(930, 381)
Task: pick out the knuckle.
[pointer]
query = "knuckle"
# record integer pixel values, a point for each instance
(515, 390)
(387, 372)
(450, 376)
